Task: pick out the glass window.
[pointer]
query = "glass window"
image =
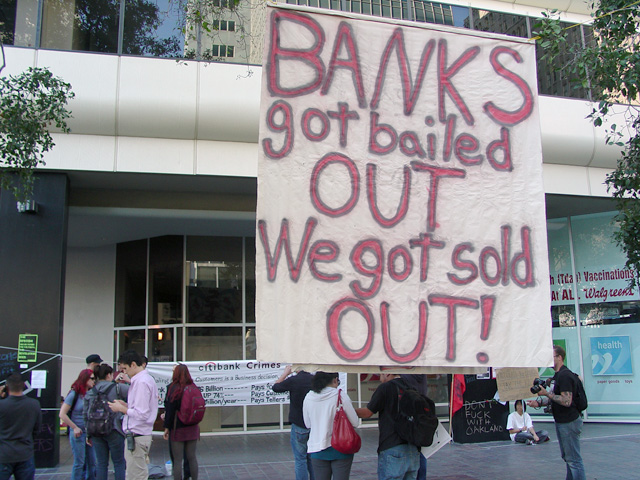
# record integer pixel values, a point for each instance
(214, 285)
(131, 283)
(85, 25)
(250, 343)
(165, 280)
(18, 22)
(556, 79)
(153, 28)
(498, 22)
(132, 340)
(8, 20)
(431, 12)
(161, 343)
(214, 343)
(263, 417)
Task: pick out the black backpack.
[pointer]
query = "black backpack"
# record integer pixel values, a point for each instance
(100, 417)
(580, 396)
(416, 422)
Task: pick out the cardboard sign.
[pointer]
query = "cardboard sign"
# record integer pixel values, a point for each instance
(400, 216)
(515, 383)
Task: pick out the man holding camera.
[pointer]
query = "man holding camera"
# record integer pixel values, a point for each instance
(566, 415)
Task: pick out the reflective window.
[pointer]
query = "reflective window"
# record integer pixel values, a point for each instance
(132, 340)
(86, 25)
(18, 20)
(556, 79)
(497, 22)
(214, 272)
(153, 28)
(131, 283)
(214, 343)
(431, 12)
(165, 280)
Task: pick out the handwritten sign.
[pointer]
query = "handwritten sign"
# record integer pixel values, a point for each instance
(8, 363)
(27, 347)
(400, 216)
(515, 383)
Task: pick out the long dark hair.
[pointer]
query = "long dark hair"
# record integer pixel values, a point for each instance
(321, 380)
(80, 385)
(181, 378)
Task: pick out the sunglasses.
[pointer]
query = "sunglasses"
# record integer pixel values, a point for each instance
(92, 378)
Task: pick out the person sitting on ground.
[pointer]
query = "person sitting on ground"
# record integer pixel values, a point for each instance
(521, 428)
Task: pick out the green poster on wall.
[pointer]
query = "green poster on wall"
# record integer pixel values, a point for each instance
(27, 348)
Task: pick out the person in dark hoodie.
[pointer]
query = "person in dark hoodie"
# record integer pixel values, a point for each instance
(112, 444)
(20, 419)
(319, 410)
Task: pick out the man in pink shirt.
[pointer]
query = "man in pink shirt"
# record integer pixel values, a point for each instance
(141, 410)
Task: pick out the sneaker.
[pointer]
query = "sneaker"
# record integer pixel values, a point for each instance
(529, 442)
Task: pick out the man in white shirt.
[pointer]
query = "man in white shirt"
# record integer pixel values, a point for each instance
(521, 428)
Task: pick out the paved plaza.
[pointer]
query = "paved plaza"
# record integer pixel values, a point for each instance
(610, 452)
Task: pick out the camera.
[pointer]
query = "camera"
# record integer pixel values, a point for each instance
(131, 442)
(538, 383)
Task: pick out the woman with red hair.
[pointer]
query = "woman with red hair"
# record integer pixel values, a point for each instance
(182, 438)
(71, 414)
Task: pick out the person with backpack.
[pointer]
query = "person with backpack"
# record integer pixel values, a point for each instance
(184, 409)
(566, 414)
(397, 459)
(104, 426)
(71, 413)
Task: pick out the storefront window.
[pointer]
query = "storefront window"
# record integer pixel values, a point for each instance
(214, 288)
(165, 280)
(587, 270)
(132, 340)
(131, 283)
(214, 343)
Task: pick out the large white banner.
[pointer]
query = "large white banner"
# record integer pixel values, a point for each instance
(400, 217)
(226, 383)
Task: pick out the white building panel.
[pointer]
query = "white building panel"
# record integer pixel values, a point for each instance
(155, 155)
(157, 98)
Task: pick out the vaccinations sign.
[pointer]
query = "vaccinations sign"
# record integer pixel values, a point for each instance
(400, 216)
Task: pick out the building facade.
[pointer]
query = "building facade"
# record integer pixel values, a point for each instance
(155, 194)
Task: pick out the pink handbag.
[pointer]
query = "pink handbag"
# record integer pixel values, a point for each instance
(344, 437)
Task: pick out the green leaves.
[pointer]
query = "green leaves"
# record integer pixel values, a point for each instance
(30, 104)
(609, 64)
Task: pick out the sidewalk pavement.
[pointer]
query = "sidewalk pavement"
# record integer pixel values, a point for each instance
(610, 452)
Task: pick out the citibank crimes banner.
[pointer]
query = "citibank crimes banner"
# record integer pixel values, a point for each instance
(400, 216)
(224, 383)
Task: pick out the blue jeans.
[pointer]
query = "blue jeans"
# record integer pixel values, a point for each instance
(569, 441)
(83, 458)
(299, 438)
(20, 470)
(422, 472)
(401, 462)
(114, 444)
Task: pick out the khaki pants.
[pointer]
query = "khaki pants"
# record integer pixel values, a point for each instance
(138, 459)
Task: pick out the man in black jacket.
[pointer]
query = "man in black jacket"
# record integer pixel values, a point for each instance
(20, 419)
(298, 386)
(396, 458)
(566, 415)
